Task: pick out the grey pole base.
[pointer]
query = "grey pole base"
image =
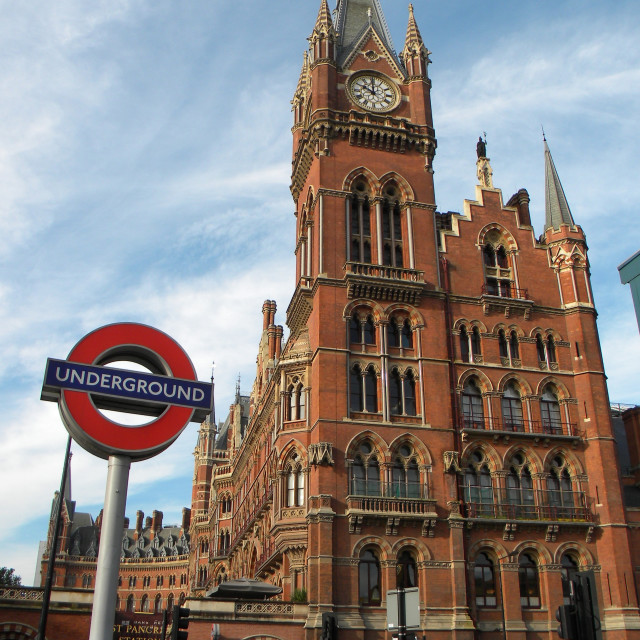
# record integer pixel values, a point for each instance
(106, 591)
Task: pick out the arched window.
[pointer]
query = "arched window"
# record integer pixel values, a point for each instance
(356, 389)
(369, 331)
(512, 419)
(470, 350)
(485, 581)
(144, 603)
(393, 334)
(475, 342)
(405, 475)
(395, 393)
(464, 344)
(497, 271)
(360, 225)
(529, 583)
(406, 571)
(568, 571)
(550, 412)
(86, 581)
(551, 351)
(407, 335)
(365, 472)
(362, 331)
(371, 390)
(295, 485)
(392, 230)
(472, 408)
(157, 604)
(515, 347)
(409, 388)
(541, 349)
(296, 407)
(478, 487)
(369, 587)
(559, 490)
(170, 601)
(520, 489)
(363, 390)
(504, 347)
(131, 603)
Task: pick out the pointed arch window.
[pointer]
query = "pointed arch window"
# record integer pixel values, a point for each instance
(409, 389)
(362, 330)
(569, 569)
(514, 346)
(295, 482)
(478, 487)
(407, 335)
(512, 418)
(520, 496)
(559, 489)
(497, 268)
(550, 412)
(504, 347)
(472, 407)
(395, 393)
(392, 231)
(540, 348)
(131, 604)
(393, 334)
(406, 478)
(365, 472)
(470, 345)
(485, 581)
(157, 604)
(360, 226)
(551, 351)
(402, 393)
(406, 571)
(297, 401)
(144, 603)
(369, 587)
(529, 582)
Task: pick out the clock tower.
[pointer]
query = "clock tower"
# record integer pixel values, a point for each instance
(437, 418)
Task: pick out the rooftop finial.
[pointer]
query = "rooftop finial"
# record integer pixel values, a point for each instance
(238, 388)
(544, 138)
(369, 14)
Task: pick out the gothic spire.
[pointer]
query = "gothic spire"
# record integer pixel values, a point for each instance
(324, 35)
(414, 55)
(354, 18)
(556, 205)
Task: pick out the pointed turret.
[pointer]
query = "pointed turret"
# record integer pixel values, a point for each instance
(415, 55)
(556, 205)
(354, 18)
(323, 37)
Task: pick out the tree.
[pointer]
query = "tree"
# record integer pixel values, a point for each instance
(8, 578)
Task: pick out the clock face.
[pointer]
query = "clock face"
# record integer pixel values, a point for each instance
(373, 92)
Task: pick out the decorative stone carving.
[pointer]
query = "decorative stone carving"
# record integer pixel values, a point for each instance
(321, 453)
(485, 173)
(451, 462)
(429, 528)
(552, 533)
(509, 532)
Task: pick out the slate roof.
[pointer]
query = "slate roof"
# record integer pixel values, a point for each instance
(167, 543)
(556, 206)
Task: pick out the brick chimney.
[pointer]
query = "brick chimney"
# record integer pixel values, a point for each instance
(186, 519)
(139, 520)
(156, 523)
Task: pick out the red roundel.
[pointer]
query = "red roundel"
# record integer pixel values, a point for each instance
(138, 343)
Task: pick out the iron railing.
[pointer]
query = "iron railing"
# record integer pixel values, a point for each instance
(520, 425)
(523, 504)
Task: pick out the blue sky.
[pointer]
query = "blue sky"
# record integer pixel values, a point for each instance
(144, 168)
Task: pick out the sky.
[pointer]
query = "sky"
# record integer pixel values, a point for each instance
(145, 156)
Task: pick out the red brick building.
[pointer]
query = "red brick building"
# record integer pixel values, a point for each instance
(438, 416)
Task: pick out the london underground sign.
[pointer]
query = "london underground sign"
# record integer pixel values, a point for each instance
(170, 393)
(83, 385)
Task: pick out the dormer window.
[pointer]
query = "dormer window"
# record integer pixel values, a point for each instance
(498, 272)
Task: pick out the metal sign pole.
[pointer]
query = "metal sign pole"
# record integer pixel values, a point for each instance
(106, 591)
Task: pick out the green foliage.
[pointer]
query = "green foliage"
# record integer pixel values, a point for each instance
(8, 578)
(299, 595)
